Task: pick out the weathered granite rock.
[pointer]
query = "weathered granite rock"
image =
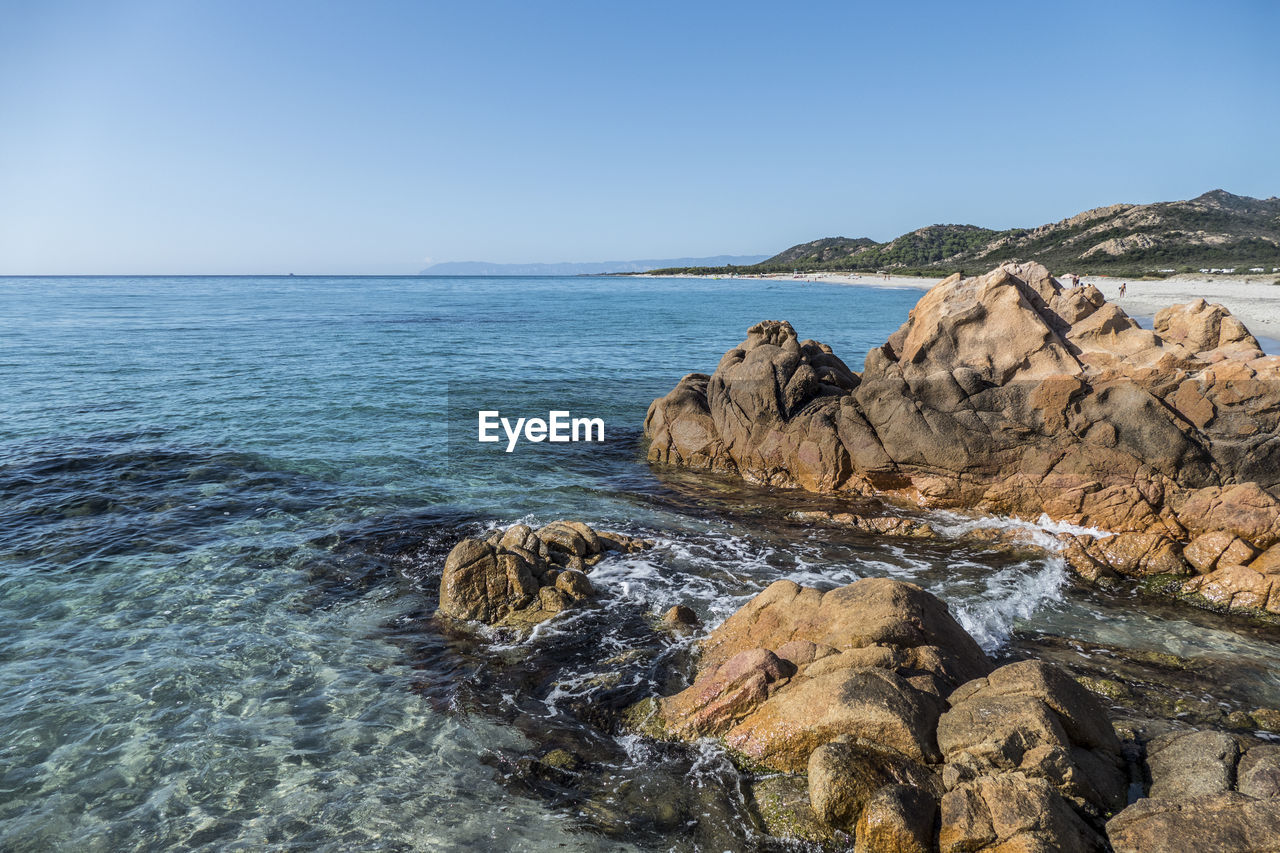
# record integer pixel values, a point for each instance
(870, 617)
(1008, 393)
(1236, 587)
(1210, 791)
(1258, 772)
(1230, 822)
(897, 819)
(1189, 764)
(1011, 811)
(521, 576)
(1033, 718)
(1201, 327)
(796, 668)
(1208, 550)
(883, 525)
(680, 616)
(845, 773)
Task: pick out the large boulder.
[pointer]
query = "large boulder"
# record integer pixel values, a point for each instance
(845, 686)
(1201, 327)
(1033, 718)
(520, 576)
(872, 616)
(1009, 393)
(905, 731)
(796, 668)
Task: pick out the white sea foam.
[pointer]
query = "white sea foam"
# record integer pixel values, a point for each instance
(1010, 595)
(1042, 532)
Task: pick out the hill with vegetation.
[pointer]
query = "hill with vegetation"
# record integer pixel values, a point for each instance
(1217, 230)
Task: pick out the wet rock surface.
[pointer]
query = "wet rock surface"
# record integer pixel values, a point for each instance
(519, 577)
(908, 735)
(1041, 774)
(1007, 393)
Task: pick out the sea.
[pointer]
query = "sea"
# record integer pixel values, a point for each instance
(225, 503)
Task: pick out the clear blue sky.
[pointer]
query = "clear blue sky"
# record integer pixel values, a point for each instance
(241, 137)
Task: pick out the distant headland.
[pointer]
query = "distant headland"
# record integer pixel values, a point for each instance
(1216, 232)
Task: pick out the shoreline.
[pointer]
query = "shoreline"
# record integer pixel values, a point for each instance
(1254, 299)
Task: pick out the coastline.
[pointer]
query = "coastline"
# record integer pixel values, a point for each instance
(858, 279)
(1254, 299)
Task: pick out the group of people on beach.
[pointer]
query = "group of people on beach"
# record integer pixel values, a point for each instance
(1075, 282)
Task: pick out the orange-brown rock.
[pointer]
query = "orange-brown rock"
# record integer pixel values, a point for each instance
(1237, 588)
(1012, 812)
(1209, 550)
(1132, 554)
(907, 735)
(884, 525)
(1033, 718)
(1268, 562)
(796, 668)
(1010, 394)
(520, 576)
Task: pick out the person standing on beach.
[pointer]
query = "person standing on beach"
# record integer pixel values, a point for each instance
(1123, 287)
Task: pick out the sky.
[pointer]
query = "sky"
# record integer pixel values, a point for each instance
(230, 137)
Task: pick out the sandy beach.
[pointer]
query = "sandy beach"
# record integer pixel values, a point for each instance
(1254, 299)
(836, 278)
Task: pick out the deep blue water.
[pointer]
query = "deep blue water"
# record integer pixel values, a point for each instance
(223, 507)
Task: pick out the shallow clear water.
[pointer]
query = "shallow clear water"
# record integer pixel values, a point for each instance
(223, 508)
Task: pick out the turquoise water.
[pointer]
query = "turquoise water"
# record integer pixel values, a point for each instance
(224, 503)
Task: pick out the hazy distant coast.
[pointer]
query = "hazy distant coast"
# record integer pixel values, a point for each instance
(588, 268)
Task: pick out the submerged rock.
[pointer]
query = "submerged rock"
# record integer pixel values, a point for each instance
(1008, 393)
(520, 576)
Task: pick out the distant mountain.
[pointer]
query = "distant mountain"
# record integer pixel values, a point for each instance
(1215, 230)
(483, 268)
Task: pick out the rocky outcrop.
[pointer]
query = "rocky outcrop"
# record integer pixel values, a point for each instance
(871, 660)
(520, 576)
(1012, 812)
(907, 735)
(1032, 719)
(1210, 792)
(845, 774)
(1007, 393)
